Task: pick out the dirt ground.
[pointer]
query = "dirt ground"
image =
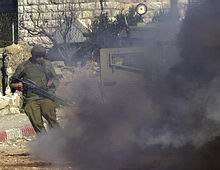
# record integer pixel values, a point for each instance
(14, 155)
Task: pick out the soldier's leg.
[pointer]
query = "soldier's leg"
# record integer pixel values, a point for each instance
(49, 112)
(33, 111)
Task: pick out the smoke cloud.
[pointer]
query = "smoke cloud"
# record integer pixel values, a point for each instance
(180, 109)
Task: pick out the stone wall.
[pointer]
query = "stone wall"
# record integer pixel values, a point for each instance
(85, 10)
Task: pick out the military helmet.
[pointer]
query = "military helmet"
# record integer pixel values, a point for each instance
(38, 51)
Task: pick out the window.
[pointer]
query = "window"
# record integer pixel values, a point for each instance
(129, 61)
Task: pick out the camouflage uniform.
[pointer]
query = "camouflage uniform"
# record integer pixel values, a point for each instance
(36, 106)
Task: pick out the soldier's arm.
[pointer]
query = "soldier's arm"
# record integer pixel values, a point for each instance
(52, 74)
(17, 74)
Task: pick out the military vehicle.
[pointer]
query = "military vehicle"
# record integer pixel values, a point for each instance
(152, 52)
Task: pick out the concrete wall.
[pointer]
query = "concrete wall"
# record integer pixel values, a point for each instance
(86, 10)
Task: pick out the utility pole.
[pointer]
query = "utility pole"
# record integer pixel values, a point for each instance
(4, 67)
(13, 32)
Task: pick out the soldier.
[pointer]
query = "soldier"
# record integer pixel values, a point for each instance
(40, 71)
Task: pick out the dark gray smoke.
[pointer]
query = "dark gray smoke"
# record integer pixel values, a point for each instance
(135, 128)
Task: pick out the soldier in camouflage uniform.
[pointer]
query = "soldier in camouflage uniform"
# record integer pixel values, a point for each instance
(41, 71)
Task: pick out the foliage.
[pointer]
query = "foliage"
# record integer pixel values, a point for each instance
(132, 18)
(103, 23)
(103, 31)
(106, 31)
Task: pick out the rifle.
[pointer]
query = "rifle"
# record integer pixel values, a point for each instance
(32, 87)
(4, 72)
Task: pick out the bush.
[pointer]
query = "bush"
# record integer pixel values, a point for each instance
(105, 31)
